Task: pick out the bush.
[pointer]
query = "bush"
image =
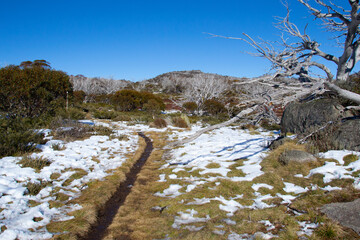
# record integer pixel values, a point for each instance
(152, 106)
(130, 100)
(214, 107)
(160, 123)
(190, 106)
(78, 97)
(16, 136)
(34, 188)
(105, 114)
(76, 132)
(32, 89)
(179, 122)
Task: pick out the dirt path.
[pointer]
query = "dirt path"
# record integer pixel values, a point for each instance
(108, 213)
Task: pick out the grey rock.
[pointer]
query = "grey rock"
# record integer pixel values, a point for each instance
(347, 214)
(302, 118)
(347, 136)
(278, 142)
(296, 156)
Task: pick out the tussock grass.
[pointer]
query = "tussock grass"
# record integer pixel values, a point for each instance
(36, 163)
(350, 158)
(35, 188)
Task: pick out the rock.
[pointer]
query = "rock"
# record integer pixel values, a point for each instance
(302, 118)
(347, 135)
(347, 214)
(278, 142)
(296, 156)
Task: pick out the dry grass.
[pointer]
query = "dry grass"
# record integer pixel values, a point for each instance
(135, 219)
(92, 200)
(36, 163)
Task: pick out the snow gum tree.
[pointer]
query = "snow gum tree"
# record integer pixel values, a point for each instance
(296, 53)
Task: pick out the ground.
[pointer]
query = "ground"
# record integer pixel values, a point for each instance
(223, 185)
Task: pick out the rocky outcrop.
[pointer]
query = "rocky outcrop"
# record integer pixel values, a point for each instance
(302, 118)
(296, 156)
(347, 135)
(347, 214)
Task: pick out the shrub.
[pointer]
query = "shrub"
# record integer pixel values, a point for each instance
(160, 123)
(130, 100)
(76, 132)
(179, 122)
(214, 107)
(105, 114)
(32, 89)
(190, 106)
(152, 106)
(102, 130)
(16, 136)
(78, 97)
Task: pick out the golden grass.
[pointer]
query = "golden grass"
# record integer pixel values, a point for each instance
(92, 200)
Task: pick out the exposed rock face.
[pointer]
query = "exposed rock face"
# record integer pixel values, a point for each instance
(296, 156)
(348, 135)
(347, 214)
(301, 118)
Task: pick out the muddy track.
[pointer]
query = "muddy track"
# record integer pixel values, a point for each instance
(110, 209)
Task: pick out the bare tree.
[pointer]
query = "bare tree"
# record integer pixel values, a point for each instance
(296, 52)
(203, 87)
(96, 85)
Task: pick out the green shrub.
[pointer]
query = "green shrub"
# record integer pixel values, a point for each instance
(105, 114)
(190, 106)
(214, 107)
(79, 97)
(152, 106)
(16, 137)
(130, 100)
(32, 89)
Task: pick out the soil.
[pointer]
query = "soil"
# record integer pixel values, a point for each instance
(110, 209)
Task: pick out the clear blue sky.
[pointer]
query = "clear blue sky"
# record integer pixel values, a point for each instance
(139, 39)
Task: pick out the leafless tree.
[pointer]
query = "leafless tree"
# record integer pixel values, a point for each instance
(96, 85)
(204, 87)
(296, 52)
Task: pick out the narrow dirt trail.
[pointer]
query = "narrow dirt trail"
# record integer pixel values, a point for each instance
(108, 213)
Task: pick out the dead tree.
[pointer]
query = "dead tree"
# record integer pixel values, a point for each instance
(296, 53)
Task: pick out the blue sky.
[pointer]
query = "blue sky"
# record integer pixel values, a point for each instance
(138, 39)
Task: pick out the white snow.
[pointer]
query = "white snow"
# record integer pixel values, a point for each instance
(96, 156)
(290, 187)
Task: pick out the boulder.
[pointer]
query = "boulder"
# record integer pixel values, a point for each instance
(347, 214)
(302, 118)
(347, 135)
(296, 156)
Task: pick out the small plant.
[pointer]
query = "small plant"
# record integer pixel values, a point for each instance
(160, 123)
(329, 231)
(179, 122)
(190, 107)
(72, 133)
(102, 130)
(121, 137)
(57, 147)
(36, 163)
(350, 158)
(34, 188)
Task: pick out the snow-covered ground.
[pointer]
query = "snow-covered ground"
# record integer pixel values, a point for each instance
(211, 156)
(95, 156)
(224, 147)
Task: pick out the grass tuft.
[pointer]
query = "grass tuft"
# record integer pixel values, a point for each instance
(36, 163)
